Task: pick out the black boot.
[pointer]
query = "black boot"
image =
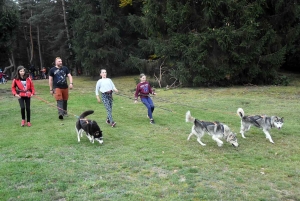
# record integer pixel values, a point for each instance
(65, 107)
(60, 106)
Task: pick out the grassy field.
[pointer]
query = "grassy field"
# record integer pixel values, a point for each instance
(140, 161)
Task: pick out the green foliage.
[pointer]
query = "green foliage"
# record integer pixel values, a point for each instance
(202, 43)
(9, 21)
(218, 43)
(101, 36)
(282, 80)
(124, 3)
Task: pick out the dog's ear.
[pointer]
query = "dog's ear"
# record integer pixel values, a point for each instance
(282, 119)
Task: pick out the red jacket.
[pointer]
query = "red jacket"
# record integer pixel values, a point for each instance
(18, 88)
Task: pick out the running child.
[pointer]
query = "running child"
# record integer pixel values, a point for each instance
(106, 87)
(143, 89)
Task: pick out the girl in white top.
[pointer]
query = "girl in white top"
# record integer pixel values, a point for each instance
(105, 86)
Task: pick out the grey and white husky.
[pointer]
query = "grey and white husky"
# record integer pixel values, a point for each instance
(264, 122)
(216, 130)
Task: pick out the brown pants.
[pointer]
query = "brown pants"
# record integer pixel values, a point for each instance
(61, 94)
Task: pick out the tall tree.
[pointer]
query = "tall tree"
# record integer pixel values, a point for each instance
(49, 35)
(101, 35)
(9, 20)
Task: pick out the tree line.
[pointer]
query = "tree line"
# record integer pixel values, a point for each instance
(176, 42)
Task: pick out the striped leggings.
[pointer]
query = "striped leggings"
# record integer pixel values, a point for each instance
(108, 103)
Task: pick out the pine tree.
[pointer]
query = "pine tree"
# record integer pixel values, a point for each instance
(42, 34)
(214, 41)
(100, 36)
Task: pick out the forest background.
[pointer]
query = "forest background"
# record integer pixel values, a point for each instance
(176, 42)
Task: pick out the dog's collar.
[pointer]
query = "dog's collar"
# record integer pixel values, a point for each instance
(87, 121)
(84, 120)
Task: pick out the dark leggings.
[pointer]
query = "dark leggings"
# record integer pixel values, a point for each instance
(25, 103)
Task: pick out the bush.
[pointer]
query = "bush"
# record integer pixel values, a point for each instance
(282, 80)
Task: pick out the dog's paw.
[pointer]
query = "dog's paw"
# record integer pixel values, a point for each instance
(242, 134)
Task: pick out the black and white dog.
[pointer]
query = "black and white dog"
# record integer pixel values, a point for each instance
(91, 128)
(264, 122)
(215, 129)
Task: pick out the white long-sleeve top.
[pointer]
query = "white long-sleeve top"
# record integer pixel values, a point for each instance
(104, 85)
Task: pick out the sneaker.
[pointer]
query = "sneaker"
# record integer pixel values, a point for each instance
(107, 121)
(28, 124)
(152, 121)
(66, 114)
(61, 117)
(113, 124)
(22, 122)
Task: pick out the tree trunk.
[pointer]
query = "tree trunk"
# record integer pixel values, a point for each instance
(12, 65)
(31, 42)
(68, 35)
(25, 37)
(39, 45)
(28, 54)
(8, 67)
(65, 21)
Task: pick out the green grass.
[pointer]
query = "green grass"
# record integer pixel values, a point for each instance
(140, 161)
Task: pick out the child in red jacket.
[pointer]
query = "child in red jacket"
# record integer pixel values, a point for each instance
(22, 87)
(143, 89)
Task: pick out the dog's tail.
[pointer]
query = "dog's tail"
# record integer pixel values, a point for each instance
(240, 112)
(188, 117)
(86, 113)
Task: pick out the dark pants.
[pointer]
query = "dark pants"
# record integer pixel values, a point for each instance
(61, 96)
(25, 104)
(147, 101)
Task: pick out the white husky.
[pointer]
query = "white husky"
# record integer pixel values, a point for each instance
(264, 122)
(215, 129)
